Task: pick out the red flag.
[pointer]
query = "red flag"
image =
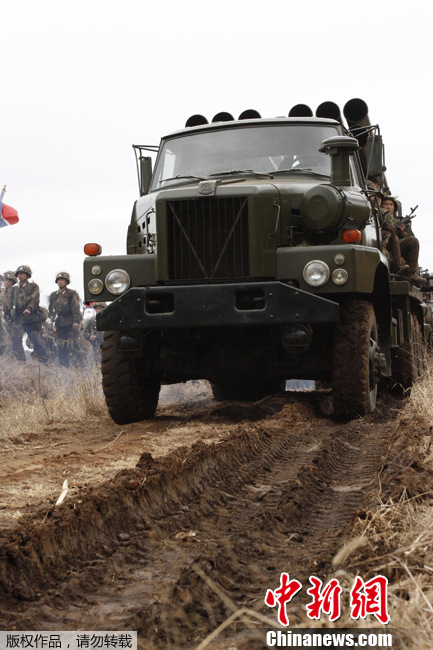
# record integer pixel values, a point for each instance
(9, 216)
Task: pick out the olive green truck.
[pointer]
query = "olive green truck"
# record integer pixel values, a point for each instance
(253, 256)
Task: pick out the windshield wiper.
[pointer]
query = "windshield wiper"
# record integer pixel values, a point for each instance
(176, 178)
(309, 170)
(233, 172)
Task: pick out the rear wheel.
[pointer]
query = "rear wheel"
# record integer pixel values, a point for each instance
(129, 396)
(356, 360)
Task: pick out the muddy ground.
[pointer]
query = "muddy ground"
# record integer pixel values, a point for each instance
(170, 526)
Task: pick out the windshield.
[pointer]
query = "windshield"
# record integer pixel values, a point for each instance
(270, 149)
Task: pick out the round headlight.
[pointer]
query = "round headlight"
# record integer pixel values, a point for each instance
(96, 270)
(339, 259)
(117, 281)
(340, 276)
(316, 273)
(95, 286)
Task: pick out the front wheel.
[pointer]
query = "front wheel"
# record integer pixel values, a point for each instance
(129, 396)
(356, 360)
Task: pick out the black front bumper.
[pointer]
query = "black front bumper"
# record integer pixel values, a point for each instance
(216, 305)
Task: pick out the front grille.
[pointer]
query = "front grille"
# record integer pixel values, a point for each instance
(208, 238)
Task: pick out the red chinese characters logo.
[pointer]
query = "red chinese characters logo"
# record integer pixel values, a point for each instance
(370, 598)
(282, 596)
(326, 600)
(366, 598)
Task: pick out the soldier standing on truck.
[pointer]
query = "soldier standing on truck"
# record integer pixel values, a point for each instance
(408, 244)
(26, 315)
(65, 313)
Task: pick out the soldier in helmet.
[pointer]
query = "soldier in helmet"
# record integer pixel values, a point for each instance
(9, 280)
(389, 236)
(90, 332)
(65, 313)
(26, 315)
(408, 244)
(4, 338)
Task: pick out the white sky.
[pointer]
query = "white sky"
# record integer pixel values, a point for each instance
(81, 81)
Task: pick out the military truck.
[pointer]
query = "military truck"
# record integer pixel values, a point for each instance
(253, 256)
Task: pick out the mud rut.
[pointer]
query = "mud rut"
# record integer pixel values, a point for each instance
(278, 494)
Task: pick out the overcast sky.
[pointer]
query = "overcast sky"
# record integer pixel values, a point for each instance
(82, 81)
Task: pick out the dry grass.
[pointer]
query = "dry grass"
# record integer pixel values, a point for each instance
(394, 537)
(33, 396)
(419, 409)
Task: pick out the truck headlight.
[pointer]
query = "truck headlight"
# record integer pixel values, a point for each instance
(340, 276)
(95, 286)
(117, 281)
(316, 273)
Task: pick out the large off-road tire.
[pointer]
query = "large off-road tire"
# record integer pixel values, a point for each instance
(355, 371)
(409, 360)
(129, 396)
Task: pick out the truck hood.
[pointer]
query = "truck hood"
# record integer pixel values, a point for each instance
(277, 187)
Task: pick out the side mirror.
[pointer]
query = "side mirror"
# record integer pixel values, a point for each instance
(145, 174)
(375, 155)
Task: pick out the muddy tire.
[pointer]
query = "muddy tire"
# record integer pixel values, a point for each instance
(129, 396)
(409, 360)
(355, 363)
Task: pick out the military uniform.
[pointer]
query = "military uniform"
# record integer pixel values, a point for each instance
(26, 316)
(403, 246)
(65, 311)
(90, 332)
(6, 303)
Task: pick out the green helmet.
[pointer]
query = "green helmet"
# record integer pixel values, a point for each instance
(10, 275)
(63, 275)
(99, 305)
(24, 269)
(391, 198)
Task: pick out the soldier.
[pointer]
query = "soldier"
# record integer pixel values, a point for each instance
(9, 280)
(389, 236)
(90, 332)
(408, 244)
(65, 313)
(26, 315)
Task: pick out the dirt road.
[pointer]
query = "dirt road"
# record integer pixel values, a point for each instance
(171, 525)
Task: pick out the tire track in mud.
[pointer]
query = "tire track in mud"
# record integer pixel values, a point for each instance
(277, 495)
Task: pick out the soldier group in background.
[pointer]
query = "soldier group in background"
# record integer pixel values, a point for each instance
(57, 332)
